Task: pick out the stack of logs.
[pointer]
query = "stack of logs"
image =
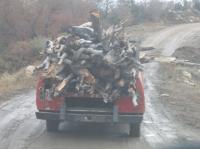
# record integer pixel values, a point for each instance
(90, 61)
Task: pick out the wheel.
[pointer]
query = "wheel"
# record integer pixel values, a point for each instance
(134, 130)
(52, 125)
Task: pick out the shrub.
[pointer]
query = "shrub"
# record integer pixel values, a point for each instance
(20, 54)
(38, 44)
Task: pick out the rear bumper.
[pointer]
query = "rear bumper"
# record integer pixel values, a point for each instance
(94, 117)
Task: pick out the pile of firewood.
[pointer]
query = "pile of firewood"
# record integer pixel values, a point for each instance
(90, 61)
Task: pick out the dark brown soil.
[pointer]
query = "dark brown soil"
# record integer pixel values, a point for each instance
(188, 53)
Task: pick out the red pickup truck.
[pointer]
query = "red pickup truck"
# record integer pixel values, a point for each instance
(88, 109)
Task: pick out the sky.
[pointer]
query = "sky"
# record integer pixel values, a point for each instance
(160, 0)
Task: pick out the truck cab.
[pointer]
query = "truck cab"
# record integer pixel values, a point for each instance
(72, 108)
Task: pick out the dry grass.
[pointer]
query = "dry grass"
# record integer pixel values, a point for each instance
(11, 83)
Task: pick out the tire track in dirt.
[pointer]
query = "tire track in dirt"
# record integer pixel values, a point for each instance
(157, 119)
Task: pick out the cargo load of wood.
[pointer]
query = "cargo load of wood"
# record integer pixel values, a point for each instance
(90, 61)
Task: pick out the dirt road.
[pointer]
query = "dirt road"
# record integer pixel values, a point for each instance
(20, 130)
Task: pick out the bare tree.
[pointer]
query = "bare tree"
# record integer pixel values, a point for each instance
(155, 10)
(196, 4)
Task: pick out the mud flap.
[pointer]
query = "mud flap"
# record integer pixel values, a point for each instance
(62, 114)
(115, 114)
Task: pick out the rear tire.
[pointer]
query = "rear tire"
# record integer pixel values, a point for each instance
(52, 125)
(134, 130)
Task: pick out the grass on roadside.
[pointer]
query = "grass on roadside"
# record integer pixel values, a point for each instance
(12, 83)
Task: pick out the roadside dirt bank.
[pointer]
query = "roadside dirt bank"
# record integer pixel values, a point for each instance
(180, 88)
